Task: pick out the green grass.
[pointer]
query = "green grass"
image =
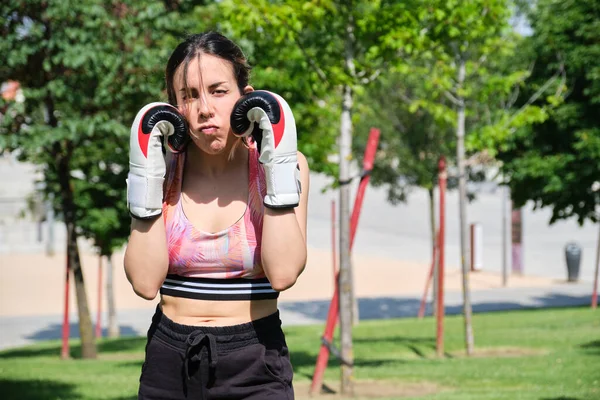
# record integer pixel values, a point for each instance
(549, 354)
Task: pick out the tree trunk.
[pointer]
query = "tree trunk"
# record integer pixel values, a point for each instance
(433, 244)
(113, 325)
(462, 190)
(86, 330)
(50, 226)
(346, 286)
(345, 276)
(596, 270)
(516, 224)
(505, 233)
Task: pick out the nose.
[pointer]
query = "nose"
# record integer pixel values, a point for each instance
(204, 107)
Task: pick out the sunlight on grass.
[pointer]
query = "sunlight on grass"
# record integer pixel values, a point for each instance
(538, 354)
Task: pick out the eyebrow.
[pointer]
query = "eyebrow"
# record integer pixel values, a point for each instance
(214, 85)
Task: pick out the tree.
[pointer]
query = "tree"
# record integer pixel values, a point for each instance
(102, 207)
(282, 63)
(457, 56)
(85, 67)
(555, 161)
(344, 45)
(413, 142)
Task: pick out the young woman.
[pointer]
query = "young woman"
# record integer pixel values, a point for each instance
(223, 235)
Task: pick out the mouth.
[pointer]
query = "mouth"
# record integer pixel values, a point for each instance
(208, 129)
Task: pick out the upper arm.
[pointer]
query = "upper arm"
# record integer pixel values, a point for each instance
(302, 210)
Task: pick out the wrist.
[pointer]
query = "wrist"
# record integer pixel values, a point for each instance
(276, 212)
(144, 196)
(145, 215)
(283, 185)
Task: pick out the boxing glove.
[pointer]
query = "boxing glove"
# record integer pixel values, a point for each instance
(157, 127)
(268, 118)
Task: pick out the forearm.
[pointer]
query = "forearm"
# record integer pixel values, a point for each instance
(283, 248)
(146, 257)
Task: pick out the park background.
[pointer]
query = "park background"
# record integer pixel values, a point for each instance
(76, 74)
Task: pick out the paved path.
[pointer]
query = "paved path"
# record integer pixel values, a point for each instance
(23, 330)
(386, 288)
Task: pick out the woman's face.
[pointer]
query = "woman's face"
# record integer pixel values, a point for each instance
(207, 101)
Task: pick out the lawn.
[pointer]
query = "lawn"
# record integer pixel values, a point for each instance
(549, 354)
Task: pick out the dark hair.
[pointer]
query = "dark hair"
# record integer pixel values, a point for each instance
(212, 43)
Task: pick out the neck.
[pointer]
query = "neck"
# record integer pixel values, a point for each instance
(215, 165)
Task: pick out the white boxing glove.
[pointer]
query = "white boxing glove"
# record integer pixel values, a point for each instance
(156, 126)
(268, 118)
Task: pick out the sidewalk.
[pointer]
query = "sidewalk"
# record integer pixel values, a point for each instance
(32, 294)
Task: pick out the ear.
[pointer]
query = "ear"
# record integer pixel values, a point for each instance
(248, 89)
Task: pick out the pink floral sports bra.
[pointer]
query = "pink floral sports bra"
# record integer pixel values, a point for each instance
(225, 265)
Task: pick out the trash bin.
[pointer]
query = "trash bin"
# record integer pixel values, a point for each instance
(573, 258)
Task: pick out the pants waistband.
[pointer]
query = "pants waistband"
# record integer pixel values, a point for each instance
(232, 336)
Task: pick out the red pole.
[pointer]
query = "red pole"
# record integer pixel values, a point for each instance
(64, 353)
(99, 314)
(368, 160)
(323, 356)
(332, 315)
(440, 296)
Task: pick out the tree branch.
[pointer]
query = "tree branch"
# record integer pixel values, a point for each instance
(311, 60)
(515, 94)
(296, 39)
(457, 102)
(561, 72)
(513, 97)
(373, 76)
(403, 96)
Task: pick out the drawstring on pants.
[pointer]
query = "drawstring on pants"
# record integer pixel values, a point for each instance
(195, 342)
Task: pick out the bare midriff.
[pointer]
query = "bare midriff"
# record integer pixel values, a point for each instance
(215, 312)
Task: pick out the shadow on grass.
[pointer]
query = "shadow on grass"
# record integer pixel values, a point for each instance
(418, 345)
(301, 360)
(422, 347)
(560, 398)
(36, 390)
(123, 345)
(132, 364)
(54, 331)
(30, 351)
(408, 307)
(128, 344)
(592, 347)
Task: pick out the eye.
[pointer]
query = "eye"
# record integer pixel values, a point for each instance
(220, 92)
(187, 99)
(189, 95)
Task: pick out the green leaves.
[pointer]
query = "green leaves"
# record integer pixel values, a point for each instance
(86, 68)
(555, 160)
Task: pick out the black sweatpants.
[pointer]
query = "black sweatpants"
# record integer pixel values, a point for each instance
(247, 361)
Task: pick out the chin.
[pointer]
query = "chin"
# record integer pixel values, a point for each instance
(212, 147)
(215, 152)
